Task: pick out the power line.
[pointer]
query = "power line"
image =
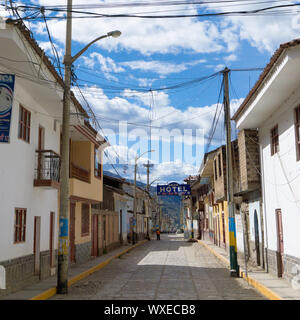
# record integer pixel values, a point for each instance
(264, 11)
(55, 53)
(215, 119)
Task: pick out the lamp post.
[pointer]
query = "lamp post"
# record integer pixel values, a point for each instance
(134, 229)
(63, 255)
(154, 181)
(234, 266)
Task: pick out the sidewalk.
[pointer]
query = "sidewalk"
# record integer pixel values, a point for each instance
(47, 288)
(270, 286)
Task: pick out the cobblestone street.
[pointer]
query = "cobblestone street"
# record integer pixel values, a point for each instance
(163, 270)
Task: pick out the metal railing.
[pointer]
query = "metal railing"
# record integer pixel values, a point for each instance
(47, 165)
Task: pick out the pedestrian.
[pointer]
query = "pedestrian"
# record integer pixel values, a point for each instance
(157, 234)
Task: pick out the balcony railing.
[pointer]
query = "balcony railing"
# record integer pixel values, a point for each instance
(47, 169)
(80, 173)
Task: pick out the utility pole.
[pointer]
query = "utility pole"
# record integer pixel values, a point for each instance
(63, 246)
(160, 214)
(63, 255)
(234, 267)
(148, 166)
(189, 181)
(134, 229)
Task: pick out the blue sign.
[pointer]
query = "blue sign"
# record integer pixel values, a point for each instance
(63, 227)
(7, 84)
(174, 189)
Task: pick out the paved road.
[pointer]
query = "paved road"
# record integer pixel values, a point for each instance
(170, 269)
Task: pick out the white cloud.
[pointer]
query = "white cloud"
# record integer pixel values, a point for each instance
(107, 65)
(161, 68)
(144, 35)
(232, 57)
(264, 32)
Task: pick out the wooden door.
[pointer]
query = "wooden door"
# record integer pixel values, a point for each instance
(223, 230)
(95, 235)
(279, 242)
(37, 245)
(72, 232)
(51, 240)
(256, 236)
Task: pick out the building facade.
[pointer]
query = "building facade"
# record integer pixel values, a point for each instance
(272, 107)
(30, 162)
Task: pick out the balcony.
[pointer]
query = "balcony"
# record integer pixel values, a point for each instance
(47, 169)
(80, 173)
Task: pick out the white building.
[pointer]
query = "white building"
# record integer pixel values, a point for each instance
(29, 163)
(273, 107)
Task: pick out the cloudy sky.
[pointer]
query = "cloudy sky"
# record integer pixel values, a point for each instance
(163, 72)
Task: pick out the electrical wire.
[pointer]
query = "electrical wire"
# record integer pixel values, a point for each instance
(54, 50)
(264, 11)
(215, 119)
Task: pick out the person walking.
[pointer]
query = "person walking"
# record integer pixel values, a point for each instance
(157, 234)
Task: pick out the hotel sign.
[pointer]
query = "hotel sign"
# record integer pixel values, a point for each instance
(174, 189)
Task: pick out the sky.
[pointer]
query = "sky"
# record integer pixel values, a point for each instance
(163, 73)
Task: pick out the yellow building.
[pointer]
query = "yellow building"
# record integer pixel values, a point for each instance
(86, 188)
(220, 220)
(215, 204)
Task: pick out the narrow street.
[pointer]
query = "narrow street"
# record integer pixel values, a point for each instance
(170, 269)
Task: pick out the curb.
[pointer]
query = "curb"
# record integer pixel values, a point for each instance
(268, 293)
(52, 291)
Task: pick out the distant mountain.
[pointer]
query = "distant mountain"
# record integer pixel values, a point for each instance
(171, 204)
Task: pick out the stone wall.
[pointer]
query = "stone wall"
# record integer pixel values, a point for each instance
(45, 265)
(271, 260)
(290, 265)
(220, 184)
(19, 273)
(83, 252)
(249, 160)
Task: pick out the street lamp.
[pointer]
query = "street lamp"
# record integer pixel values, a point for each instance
(134, 229)
(63, 255)
(154, 181)
(114, 34)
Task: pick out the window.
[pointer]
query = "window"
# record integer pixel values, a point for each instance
(20, 225)
(24, 124)
(219, 163)
(216, 171)
(274, 140)
(85, 219)
(297, 128)
(98, 167)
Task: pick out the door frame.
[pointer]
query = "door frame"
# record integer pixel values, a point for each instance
(256, 237)
(280, 247)
(37, 245)
(51, 239)
(95, 236)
